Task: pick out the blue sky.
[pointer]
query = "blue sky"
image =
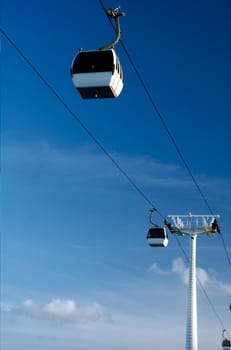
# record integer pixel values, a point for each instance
(76, 270)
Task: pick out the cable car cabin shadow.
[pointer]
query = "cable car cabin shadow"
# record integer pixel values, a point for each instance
(157, 237)
(97, 74)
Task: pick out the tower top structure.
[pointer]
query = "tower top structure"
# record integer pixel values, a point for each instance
(194, 224)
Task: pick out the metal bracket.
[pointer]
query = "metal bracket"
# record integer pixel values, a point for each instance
(114, 14)
(152, 211)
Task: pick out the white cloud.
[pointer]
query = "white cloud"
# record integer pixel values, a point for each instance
(59, 310)
(205, 279)
(157, 269)
(80, 162)
(179, 268)
(87, 164)
(5, 307)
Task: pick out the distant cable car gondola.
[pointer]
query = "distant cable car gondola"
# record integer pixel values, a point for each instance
(98, 74)
(226, 343)
(157, 236)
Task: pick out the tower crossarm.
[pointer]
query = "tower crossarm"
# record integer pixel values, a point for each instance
(193, 224)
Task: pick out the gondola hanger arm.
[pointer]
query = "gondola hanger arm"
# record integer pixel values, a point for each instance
(152, 211)
(114, 14)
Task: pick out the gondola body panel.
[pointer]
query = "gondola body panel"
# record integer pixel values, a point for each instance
(157, 237)
(97, 74)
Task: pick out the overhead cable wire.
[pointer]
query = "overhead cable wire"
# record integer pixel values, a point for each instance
(212, 306)
(90, 134)
(78, 120)
(226, 249)
(159, 114)
(169, 133)
(202, 287)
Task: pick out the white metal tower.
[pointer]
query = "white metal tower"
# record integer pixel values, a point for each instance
(193, 226)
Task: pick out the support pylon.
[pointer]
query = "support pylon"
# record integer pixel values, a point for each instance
(193, 226)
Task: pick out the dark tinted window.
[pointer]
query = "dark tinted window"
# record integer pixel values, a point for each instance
(93, 61)
(156, 232)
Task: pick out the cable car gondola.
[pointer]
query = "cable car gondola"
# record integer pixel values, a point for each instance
(226, 343)
(157, 236)
(98, 74)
